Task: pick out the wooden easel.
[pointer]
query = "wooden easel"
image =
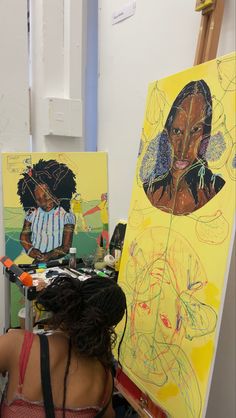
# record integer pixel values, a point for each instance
(139, 400)
(210, 26)
(207, 44)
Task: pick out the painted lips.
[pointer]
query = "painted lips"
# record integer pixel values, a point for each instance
(181, 164)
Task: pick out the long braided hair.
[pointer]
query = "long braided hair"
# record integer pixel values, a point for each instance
(87, 311)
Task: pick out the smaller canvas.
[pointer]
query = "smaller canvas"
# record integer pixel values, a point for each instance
(54, 201)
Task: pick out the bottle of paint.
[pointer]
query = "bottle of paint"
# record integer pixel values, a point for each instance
(72, 259)
(99, 255)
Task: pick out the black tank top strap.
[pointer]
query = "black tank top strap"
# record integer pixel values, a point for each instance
(45, 377)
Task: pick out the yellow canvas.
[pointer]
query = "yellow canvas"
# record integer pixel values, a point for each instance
(179, 236)
(54, 201)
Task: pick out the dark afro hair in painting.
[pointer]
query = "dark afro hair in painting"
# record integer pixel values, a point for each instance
(59, 179)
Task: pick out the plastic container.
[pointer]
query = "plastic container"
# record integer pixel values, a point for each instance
(72, 259)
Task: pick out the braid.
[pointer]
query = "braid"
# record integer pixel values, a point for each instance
(122, 337)
(66, 376)
(87, 312)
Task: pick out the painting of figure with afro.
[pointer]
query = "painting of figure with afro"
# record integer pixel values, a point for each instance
(45, 197)
(45, 191)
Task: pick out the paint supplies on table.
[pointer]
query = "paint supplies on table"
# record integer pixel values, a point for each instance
(99, 255)
(24, 277)
(116, 245)
(72, 259)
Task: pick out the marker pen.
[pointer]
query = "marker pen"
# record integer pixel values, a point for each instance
(86, 270)
(109, 272)
(100, 273)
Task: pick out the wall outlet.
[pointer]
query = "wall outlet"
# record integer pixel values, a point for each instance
(63, 117)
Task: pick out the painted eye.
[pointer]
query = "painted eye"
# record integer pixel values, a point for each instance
(195, 129)
(176, 131)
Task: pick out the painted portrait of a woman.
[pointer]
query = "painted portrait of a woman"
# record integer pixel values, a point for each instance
(174, 170)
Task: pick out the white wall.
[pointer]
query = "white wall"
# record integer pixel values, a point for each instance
(14, 96)
(159, 40)
(58, 34)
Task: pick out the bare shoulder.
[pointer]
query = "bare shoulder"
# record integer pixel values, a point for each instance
(110, 413)
(97, 381)
(10, 344)
(13, 335)
(106, 389)
(93, 368)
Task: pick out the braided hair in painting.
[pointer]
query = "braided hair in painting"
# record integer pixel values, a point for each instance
(58, 178)
(198, 175)
(87, 311)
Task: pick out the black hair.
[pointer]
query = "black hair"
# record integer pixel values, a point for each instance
(198, 172)
(59, 179)
(87, 311)
(193, 88)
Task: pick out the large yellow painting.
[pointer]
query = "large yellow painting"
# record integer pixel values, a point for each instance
(179, 236)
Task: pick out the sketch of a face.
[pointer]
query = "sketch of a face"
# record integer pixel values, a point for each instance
(104, 196)
(175, 173)
(44, 198)
(186, 132)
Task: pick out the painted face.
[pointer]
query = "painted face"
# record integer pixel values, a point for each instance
(44, 198)
(78, 197)
(104, 196)
(186, 131)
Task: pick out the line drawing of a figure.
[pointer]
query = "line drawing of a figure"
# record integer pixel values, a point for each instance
(166, 312)
(76, 205)
(102, 207)
(45, 191)
(174, 170)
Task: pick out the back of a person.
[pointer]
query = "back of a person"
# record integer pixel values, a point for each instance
(82, 317)
(86, 385)
(24, 409)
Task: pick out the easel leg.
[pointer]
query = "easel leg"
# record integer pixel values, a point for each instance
(7, 298)
(213, 34)
(209, 33)
(201, 39)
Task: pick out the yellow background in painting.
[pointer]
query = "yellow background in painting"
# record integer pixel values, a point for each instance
(162, 253)
(91, 179)
(90, 169)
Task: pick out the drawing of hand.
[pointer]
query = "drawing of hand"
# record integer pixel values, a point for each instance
(36, 254)
(46, 257)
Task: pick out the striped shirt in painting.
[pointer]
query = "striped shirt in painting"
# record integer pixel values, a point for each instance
(47, 227)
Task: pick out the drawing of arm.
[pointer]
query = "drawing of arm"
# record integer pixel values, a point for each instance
(93, 210)
(64, 248)
(25, 240)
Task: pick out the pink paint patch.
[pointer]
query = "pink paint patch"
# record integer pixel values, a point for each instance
(145, 307)
(165, 320)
